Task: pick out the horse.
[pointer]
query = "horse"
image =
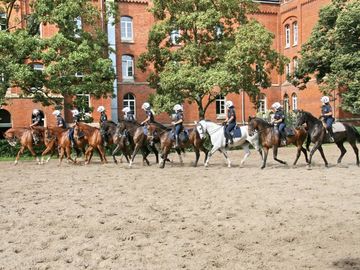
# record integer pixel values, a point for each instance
(122, 141)
(269, 137)
(164, 136)
(218, 140)
(139, 140)
(318, 135)
(59, 137)
(93, 138)
(24, 136)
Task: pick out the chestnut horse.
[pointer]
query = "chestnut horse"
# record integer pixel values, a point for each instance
(269, 137)
(59, 137)
(166, 143)
(93, 138)
(318, 135)
(24, 136)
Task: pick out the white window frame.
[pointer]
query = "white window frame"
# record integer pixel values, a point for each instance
(286, 103)
(287, 70)
(287, 36)
(221, 100)
(78, 22)
(126, 29)
(295, 64)
(2, 19)
(175, 34)
(130, 103)
(125, 65)
(38, 66)
(296, 33)
(294, 101)
(262, 107)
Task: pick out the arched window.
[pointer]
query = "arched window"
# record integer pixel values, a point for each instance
(286, 103)
(126, 29)
(295, 30)
(220, 105)
(127, 67)
(287, 36)
(129, 101)
(262, 107)
(294, 100)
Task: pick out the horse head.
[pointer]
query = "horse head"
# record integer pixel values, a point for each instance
(201, 128)
(253, 126)
(301, 118)
(79, 130)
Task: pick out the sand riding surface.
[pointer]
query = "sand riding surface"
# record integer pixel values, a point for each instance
(112, 217)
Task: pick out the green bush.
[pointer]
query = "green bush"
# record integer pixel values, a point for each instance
(6, 150)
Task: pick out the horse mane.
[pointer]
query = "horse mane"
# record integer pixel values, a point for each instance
(81, 124)
(264, 122)
(161, 126)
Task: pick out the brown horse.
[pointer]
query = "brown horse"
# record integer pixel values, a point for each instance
(269, 137)
(93, 138)
(59, 137)
(24, 136)
(138, 140)
(167, 142)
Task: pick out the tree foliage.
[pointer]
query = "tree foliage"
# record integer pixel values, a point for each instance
(332, 53)
(219, 51)
(75, 61)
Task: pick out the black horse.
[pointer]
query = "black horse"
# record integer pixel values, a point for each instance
(318, 135)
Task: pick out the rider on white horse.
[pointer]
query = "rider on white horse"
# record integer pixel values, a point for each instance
(230, 121)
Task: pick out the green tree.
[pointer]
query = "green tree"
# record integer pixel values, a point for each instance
(74, 61)
(332, 53)
(200, 49)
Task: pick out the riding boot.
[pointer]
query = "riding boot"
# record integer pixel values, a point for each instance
(226, 140)
(331, 134)
(176, 141)
(231, 140)
(105, 141)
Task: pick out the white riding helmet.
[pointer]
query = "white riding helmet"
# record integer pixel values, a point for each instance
(146, 106)
(276, 105)
(101, 109)
(75, 112)
(126, 110)
(56, 113)
(325, 99)
(35, 111)
(229, 104)
(178, 107)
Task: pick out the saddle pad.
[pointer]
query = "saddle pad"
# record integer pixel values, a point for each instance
(289, 131)
(338, 127)
(236, 133)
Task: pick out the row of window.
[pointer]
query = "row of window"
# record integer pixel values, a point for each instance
(262, 107)
(288, 34)
(292, 66)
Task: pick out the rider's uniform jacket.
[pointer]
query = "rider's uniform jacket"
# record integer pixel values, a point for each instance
(326, 109)
(60, 122)
(151, 115)
(129, 117)
(37, 119)
(231, 113)
(179, 115)
(103, 118)
(279, 114)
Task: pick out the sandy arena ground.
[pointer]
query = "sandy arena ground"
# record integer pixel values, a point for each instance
(112, 217)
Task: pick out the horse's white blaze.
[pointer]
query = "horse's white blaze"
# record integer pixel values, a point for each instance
(217, 137)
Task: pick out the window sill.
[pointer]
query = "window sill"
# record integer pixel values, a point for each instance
(127, 41)
(128, 80)
(220, 117)
(287, 46)
(295, 44)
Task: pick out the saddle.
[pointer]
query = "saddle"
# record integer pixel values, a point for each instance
(289, 131)
(183, 136)
(338, 127)
(235, 133)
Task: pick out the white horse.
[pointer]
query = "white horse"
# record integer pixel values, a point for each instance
(217, 137)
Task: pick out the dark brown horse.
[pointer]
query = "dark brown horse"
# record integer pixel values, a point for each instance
(24, 136)
(318, 135)
(269, 137)
(167, 143)
(93, 138)
(57, 137)
(138, 139)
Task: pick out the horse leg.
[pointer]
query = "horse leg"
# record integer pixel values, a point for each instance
(298, 153)
(68, 154)
(178, 151)
(165, 153)
(31, 149)
(340, 145)
(21, 151)
(136, 150)
(323, 156)
(247, 154)
(212, 151)
(114, 152)
(266, 152)
(145, 152)
(223, 151)
(156, 152)
(62, 152)
(197, 156)
(275, 152)
(88, 153)
(356, 150)
(101, 150)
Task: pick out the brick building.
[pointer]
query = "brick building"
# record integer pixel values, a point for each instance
(291, 22)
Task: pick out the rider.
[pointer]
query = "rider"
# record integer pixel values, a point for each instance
(76, 118)
(59, 119)
(149, 113)
(178, 123)
(327, 116)
(279, 121)
(36, 122)
(230, 121)
(103, 119)
(128, 115)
